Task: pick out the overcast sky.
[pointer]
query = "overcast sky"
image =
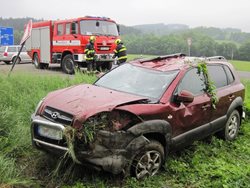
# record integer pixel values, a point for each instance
(217, 13)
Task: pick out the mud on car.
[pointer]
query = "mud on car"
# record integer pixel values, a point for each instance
(131, 117)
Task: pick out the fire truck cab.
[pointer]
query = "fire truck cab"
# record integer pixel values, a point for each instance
(64, 42)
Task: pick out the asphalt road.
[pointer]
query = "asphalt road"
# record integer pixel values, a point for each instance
(56, 70)
(28, 68)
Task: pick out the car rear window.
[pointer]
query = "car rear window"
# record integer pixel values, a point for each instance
(217, 75)
(229, 73)
(2, 48)
(12, 49)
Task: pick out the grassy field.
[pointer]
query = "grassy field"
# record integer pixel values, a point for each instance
(213, 164)
(241, 65)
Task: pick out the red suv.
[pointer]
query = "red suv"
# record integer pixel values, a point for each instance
(130, 118)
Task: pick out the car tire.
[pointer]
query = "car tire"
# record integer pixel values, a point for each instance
(148, 161)
(17, 61)
(36, 61)
(230, 132)
(68, 64)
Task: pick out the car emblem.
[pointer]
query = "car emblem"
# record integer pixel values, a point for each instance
(55, 115)
(104, 43)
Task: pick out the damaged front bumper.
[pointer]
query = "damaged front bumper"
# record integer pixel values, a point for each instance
(111, 151)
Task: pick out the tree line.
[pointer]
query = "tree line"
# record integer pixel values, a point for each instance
(201, 45)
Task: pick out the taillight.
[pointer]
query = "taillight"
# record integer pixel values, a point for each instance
(5, 54)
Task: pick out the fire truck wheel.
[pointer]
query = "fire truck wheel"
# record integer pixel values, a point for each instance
(36, 61)
(68, 64)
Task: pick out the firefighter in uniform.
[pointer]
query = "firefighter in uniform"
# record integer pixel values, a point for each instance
(90, 54)
(120, 52)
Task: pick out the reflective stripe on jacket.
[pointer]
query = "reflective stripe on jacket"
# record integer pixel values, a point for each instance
(89, 51)
(120, 51)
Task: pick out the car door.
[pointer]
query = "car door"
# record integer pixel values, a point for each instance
(222, 78)
(191, 119)
(12, 50)
(24, 55)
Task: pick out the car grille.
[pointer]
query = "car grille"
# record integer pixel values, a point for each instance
(102, 47)
(57, 116)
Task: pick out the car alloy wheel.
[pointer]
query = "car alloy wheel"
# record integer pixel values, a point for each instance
(148, 161)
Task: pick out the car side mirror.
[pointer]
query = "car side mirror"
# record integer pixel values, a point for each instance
(185, 96)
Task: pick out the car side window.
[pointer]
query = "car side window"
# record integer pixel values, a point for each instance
(2, 49)
(192, 82)
(24, 49)
(217, 75)
(230, 77)
(12, 49)
(59, 29)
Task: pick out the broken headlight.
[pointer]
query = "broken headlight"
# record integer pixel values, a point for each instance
(111, 121)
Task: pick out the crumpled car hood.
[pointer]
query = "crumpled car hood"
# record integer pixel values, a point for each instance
(86, 100)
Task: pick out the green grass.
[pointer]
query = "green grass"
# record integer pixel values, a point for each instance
(241, 65)
(215, 164)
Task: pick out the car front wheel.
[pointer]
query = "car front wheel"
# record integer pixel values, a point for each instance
(148, 161)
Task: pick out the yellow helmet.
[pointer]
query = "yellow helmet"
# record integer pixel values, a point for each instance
(92, 38)
(118, 41)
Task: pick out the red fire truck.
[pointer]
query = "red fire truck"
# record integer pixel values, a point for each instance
(64, 41)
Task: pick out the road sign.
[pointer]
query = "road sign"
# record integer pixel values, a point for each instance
(27, 32)
(189, 41)
(6, 36)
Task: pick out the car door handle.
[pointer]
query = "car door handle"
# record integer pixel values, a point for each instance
(205, 106)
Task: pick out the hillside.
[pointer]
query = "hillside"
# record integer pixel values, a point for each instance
(219, 34)
(161, 29)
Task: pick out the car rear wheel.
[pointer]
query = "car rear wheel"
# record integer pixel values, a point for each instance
(68, 64)
(148, 161)
(17, 61)
(231, 129)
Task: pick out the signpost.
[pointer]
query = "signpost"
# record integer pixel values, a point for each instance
(6, 36)
(26, 35)
(189, 42)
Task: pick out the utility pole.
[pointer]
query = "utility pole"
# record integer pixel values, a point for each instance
(189, 42)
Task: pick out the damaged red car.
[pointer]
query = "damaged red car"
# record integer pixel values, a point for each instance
(131, 117)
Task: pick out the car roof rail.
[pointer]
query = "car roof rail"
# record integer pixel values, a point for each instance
(216, 58)
(163, 57)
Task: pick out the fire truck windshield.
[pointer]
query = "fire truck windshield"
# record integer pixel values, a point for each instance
(97, 27)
